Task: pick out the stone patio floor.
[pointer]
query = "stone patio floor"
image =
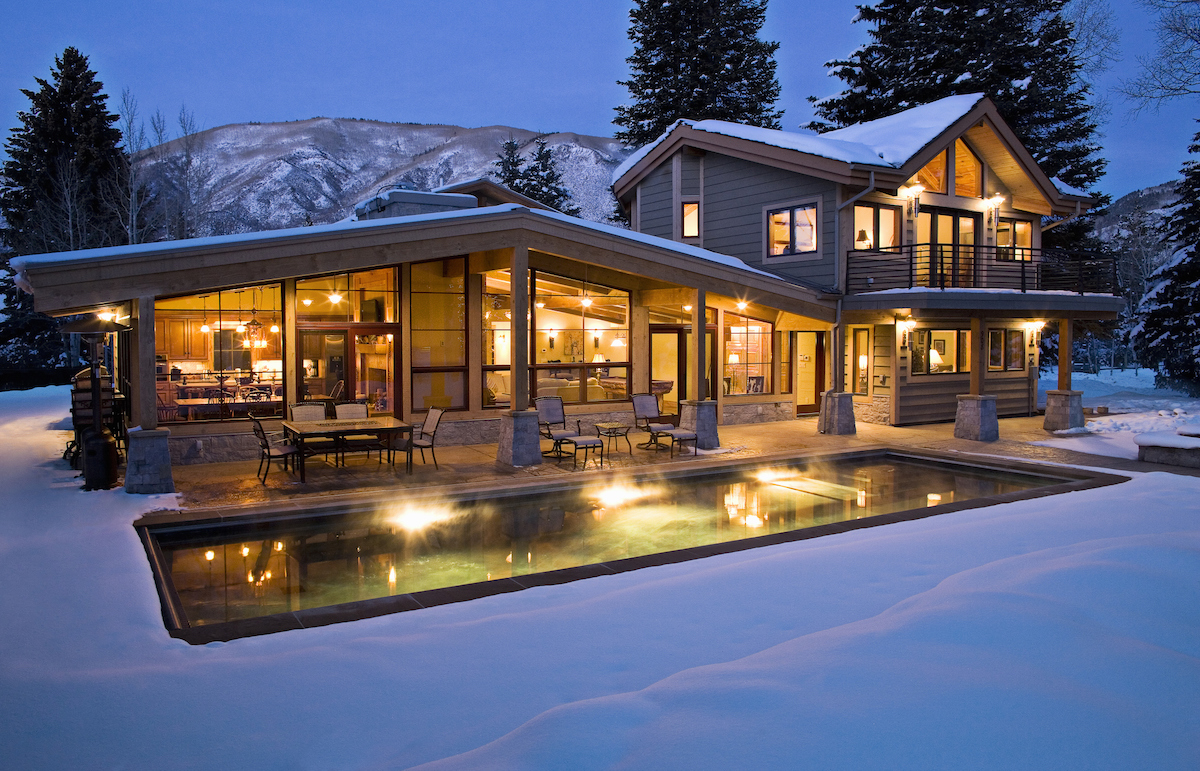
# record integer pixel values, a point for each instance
(215, 485)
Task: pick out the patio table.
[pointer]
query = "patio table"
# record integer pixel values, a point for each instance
(298, 431)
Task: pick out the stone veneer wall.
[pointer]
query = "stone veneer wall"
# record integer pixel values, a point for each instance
(763, 412)
(878, 410)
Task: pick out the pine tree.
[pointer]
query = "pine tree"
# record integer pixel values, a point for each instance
(698, 59)
(539, 178)
(1169, 337)
(56, 194)
(1018, 52)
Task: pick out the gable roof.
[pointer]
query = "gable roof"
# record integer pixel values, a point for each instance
(892, 148)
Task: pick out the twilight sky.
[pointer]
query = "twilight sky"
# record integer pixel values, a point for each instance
(535, 64)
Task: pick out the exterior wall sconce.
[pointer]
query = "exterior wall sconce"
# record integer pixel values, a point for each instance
(906, 328)
(913, 194)
(994, 203)
(741, 306)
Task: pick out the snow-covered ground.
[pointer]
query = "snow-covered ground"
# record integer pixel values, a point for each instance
(1140, 408)
(1055, 633)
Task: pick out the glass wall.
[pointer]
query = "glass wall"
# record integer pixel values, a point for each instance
(365, 297)
(747, 368)
(219, 355)
(580, 340)
(439, 334)
(497, 339)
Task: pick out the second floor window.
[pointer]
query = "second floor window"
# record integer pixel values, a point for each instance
(792, 230)
(876, 227)
(691, 219)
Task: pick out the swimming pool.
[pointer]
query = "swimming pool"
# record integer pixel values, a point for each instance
(233, 574)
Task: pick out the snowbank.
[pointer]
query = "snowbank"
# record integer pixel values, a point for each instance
(1051, 633)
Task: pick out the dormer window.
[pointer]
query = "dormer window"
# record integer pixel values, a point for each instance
(792, 229)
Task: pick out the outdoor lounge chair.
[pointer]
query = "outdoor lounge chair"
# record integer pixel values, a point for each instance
(425, 436)
(647, 417)
(586, 443)
(551, 415)
(269, 451)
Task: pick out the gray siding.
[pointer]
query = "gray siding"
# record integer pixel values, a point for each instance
(656, 198)
(689, 174)
(881, 359)
(933, 398)
(735, 192)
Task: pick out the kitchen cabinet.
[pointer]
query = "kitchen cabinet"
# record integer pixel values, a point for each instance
(185, 341)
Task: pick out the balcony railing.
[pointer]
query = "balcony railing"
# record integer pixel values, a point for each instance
(945, 266)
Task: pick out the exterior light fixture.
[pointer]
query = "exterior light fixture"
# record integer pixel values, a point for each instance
(913, 194)
(741, 306)
(245, 551)
(906, 328)
(105, 315)
(994, 203)
(335, 298)
(933, 499)
(210, 555)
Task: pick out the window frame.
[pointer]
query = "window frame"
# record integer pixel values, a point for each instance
(464, 369)
(920, 354)
(876, 216)
(860, 346)
(816, 203)
(1006, 363)
(767, 365)
(684, 203)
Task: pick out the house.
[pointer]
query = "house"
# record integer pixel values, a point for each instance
(895, 266)
(926, 226)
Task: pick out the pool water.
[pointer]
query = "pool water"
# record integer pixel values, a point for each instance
(223, 572)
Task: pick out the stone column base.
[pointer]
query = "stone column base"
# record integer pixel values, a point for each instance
(148, 462)
(701, 417)
(520, 442)
(1064, 409)
(976, 418)
(837, 413)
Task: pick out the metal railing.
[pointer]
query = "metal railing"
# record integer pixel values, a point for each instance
(945, 266)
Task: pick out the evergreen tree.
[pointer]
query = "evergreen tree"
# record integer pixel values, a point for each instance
(56, 194)
(697, 59)
(1169, 337)
(1018, 52)
(539, 178)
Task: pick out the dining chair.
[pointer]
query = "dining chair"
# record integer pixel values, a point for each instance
(425, 436)
(269, 451)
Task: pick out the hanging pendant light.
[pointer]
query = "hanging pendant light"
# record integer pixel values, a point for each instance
(204, 328)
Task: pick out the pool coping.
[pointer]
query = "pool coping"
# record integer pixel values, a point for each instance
(175, 620)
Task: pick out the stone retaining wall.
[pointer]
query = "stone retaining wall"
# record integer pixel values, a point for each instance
(878, 410)
(763, 412)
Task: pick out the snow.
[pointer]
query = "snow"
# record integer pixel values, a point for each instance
(1167, 439)
(889, 141)
(1052, 633)
(1135, 405)
(1066, 189)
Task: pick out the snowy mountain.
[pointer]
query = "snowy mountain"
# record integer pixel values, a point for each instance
(1153, 202)
(263, 176)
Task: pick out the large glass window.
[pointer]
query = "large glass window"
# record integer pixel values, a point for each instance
(582, 324)
(938, 351)
(365, 297)
(219, 355)
(497, 339)
(747, 368)
(968, 172)
(932, 175)
(438, 344)
(876, 227)
(792, 230)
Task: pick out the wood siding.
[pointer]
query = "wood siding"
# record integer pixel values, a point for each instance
(689, 176)
(735, 192)
(657, 202)
(933, 398)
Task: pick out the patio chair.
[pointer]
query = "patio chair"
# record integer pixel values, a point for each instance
(269, 451)
(338, 387)
(424, 436)
(359, 442)
(586, 443)
(550, 414)
(647, 417)
(311, 413)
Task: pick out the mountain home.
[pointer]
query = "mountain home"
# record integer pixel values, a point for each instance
(924, 231)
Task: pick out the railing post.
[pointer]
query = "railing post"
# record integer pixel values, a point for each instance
(911, 256)
(1079, 274)
(1022, 275)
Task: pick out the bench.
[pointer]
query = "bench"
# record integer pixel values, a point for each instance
(1180, 447)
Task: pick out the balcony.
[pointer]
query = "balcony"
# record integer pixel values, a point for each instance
(945, 266)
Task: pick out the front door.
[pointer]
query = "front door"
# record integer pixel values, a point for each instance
(950, 251)
(809, 371)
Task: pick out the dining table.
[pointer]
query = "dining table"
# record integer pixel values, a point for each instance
(383, 426)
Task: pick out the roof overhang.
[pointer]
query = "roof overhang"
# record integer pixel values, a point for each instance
(989, 302)
(71, 282)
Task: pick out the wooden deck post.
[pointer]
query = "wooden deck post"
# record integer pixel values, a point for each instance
(1065, 328)
(698, 377)
(978, 360)
(145, 380)
(519, 363)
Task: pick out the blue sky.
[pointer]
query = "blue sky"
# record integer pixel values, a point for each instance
(535, 64)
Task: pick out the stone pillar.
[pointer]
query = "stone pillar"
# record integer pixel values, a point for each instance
(701, 417)
(520, 441)
(976, 418)
(837, 413)
(148, 463)
(1064, 409)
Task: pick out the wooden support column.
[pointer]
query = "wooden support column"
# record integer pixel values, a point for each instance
(698, 377)
(404, 376)
(291, 348)
(838, 358)
(144, 380)
(519, 366)
(978, 361)
(639, 343)
(475, 341)
(1065, 328)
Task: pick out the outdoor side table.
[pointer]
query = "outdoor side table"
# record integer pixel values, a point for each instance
(610, 431)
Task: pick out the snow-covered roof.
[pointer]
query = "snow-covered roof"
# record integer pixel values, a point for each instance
(1066, 189)
(889, 141)
(899, 137)
(21, 264)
